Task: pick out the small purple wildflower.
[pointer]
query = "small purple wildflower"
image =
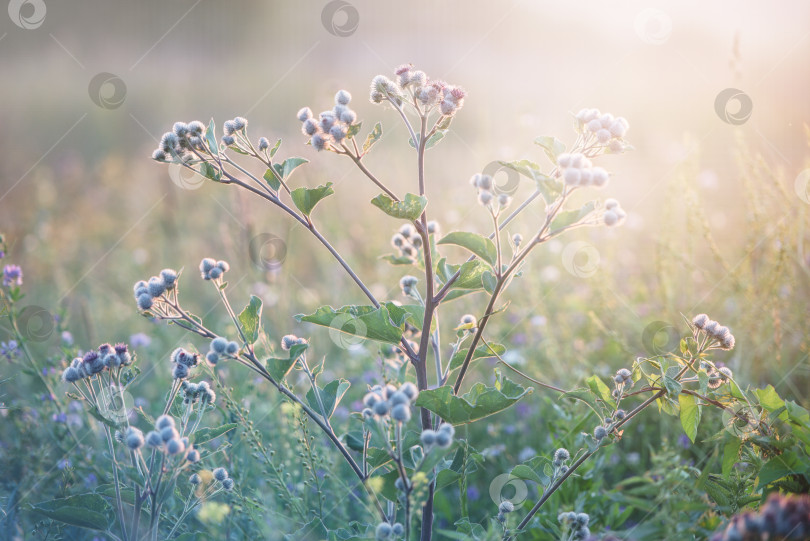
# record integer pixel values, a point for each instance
(473, 493)
(140, 339)
(684, 441)
(63, 464)
(59, 417)
(9, 350)
(12, 275)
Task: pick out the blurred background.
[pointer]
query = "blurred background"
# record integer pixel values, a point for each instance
(716, 187)
(714, 190)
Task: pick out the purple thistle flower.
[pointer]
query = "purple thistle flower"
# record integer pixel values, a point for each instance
(12, 275)
(10, 350)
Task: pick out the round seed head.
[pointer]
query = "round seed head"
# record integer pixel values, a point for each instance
(383, 531)
(227, 484)
(343, 97)
(304, 114)
(506, 507)
(220, 474)
(175, 447)
(401, 413)
(428, 437)
(134, 438)
(410, 390)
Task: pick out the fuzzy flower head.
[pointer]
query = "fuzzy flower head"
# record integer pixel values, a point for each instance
(211, 269)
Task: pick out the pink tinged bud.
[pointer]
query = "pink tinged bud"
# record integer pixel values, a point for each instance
(616, 146)
(611, 218)
(606, 120)
(594, 125)
(404, 68)
(448, 108)
(577, 160)
(600, 177)
(603, 136)
(618, 128)
(572, 176)
(586, 177)
(564, 160)
(304, 113)
(611, 203)
(418, 78)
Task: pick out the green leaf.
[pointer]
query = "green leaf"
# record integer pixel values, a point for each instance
(275, 148)
(271, 179)
(771, 401)
(477, 244)
(570, 217)
(280, 367)
(373, 137)
(397, 259)
(211, 137)
(434, 139)
(353, 130)
(209, 171)
(598, 387)
(331, 395)
(731, 452)
(383, 324)
(480, 402)
(533, 470)
(549, 187)
(481, 352)
(470, 274)
(410, 208)
(586, 396)
(251, 319)
(84, 510)
(690, 415)
(306, 198)
(553, 146)
(489, 282)
(780, 466)
(204, 435)
(285, 168)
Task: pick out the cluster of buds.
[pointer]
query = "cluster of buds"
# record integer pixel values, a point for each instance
(384, 401)
(717, 376)
(577, 522)
(95, 362)
(426, 92)
(166, 438)
(197, 392)
(149, 292)
(606, 129)
(577, 170)
(782, 517)
(331, 127)
(408, 241)
(408, 285)
(288, 341)
(211, 269)
(716, 335)
(560, 461)
(614, 214)
(176, 145)
(221, 476)
(182, 362)
(441, 438)
(230, 129)
(219, 348)
(486, 196)
(623, 380)
(385, 530)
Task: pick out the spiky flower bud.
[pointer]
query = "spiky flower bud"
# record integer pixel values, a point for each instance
(239, 123)
(133, 438)
(383, 531)
(599, 433)
(506, 507)
(220, 474)
(343, 97)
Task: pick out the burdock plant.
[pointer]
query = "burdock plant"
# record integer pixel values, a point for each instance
(412, 330)
(398, 471)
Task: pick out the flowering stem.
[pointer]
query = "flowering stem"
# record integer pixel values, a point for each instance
(119, 502)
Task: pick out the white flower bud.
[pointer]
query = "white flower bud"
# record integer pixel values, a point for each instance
(485, 198)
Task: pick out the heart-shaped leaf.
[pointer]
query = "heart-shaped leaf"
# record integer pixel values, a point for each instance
(305, 199)
(409, 208)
